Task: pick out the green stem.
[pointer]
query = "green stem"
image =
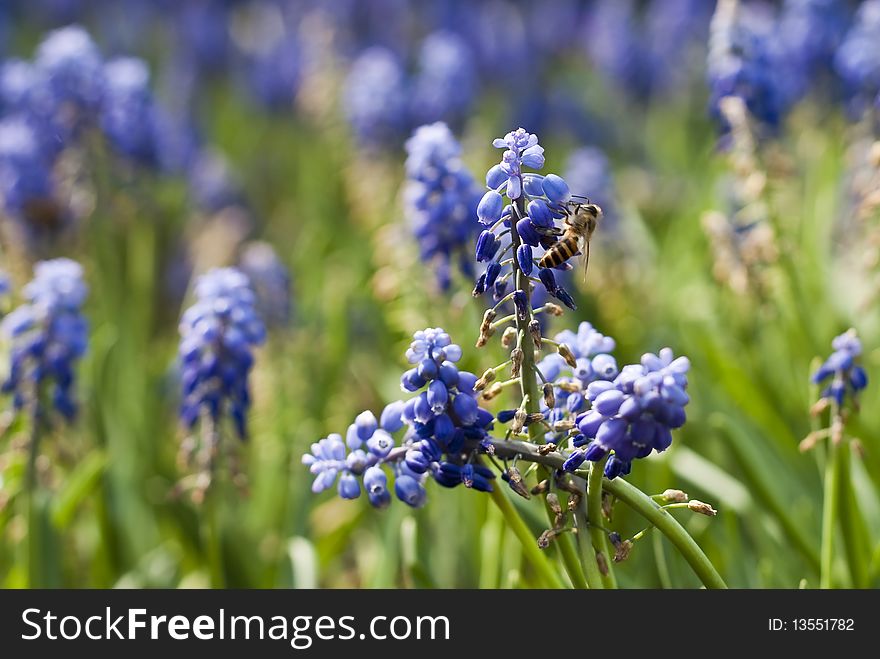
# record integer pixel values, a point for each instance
(594, 511)
(588, 553)
(829, 515)
(631, 496)
(210, 517)
(527, 539)
(33, 514)
(851, 522)
(528, 381)
(214, 541)
(669, 526)
(529, 392)
(660, 560)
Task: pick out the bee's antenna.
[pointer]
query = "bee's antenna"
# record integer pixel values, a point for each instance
(579, 196)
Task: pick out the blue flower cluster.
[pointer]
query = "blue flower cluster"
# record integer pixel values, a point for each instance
(633, 414)
(544, 199)
(274, 72)
(446, 83)
(441, 432)
(47, 105)
(646, 53)
(375, 97)
(128, 115)
(742, 62)
(383, 102)
(70, 77)
(25, 168)
(857, 61)
(47, 334)
(590, 349)
(217, 337)
(847, 377)
(440, 199)
(810, 33)
(212, 181)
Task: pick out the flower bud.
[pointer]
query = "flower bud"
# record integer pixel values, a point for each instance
(549, 395)
(509, 337)
(567, 355)
(490, 207)
(493, 391)
(520, 302)
(535, 332)
(519, 420)
(674, 496)
(516, 360)
(487, 377)
(702, 508)
(515, 480)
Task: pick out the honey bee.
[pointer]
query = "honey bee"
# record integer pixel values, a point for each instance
(581, 221)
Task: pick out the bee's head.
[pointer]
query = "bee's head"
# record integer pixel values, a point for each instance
(585, 216)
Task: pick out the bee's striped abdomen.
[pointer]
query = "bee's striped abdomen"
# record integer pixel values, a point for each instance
(560, 252)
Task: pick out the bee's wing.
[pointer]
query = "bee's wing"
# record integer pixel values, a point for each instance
(585, 250)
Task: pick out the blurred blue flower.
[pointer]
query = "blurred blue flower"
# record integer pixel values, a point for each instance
(274, 74)
(847, 377)
(810, 32)
(446, 83)
(588, 173)
(128, 116)
(212, 181)
(505, 56)
(27, 190)
(743, 61)
(375, 98)
(857, 60)
(270, 280)
(440, 198)
(616, 47)
(48, 334)
(217, 336)
(204, 33)
(676, 34)
(72, 66)
(17, 79)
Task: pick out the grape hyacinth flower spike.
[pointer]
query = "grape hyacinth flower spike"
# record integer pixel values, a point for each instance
(48, 335)
(575, 405)
(572, 407)
(441, 432)
(634, 414)
(521, 230)
(218, 334)
(440, 199)
(841, 379)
